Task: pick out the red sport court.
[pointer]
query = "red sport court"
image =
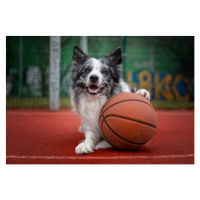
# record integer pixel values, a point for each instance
(43, 137)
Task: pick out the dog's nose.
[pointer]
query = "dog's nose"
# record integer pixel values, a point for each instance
(94, 78)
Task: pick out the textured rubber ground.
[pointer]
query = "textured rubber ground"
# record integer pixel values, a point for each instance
(43, 137)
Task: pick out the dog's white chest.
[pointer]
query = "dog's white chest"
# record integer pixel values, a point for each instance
(89, 109)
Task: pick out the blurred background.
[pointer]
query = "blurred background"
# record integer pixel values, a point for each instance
(164, 65)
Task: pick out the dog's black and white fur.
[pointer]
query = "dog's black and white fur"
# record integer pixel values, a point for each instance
(94, 81)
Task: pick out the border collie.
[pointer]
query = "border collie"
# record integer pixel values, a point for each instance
(94, 81)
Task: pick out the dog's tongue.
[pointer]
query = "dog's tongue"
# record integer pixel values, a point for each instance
(93, 89)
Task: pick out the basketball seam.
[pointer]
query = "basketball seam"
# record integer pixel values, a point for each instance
(117, 134)
(103, 131)
(108, 101)
(122, 102)
(153, 126)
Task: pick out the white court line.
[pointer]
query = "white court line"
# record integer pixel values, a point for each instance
(84, 157)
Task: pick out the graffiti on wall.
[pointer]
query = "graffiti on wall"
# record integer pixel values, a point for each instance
(163, 85)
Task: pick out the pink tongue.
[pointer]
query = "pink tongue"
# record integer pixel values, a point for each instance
(93, 89)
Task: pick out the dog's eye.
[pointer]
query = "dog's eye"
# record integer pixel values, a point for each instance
(87, 69)
(105, 71)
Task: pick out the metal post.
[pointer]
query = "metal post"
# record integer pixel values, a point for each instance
(84, 44)
(20, 64)
(124, 56)
(151, 54)
(54, 73)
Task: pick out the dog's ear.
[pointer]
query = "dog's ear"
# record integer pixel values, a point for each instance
(78, 55)
(115, 58)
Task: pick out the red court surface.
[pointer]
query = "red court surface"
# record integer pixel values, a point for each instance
(43, 137)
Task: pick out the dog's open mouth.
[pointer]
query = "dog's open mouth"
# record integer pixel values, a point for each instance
(93, 89)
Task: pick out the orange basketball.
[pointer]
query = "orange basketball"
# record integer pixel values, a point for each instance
(127, 121)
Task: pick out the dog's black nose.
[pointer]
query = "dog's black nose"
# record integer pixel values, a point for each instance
(94, 78)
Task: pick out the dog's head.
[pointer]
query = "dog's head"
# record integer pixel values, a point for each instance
(95, 76)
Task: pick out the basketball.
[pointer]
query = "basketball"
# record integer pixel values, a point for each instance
(127, 121)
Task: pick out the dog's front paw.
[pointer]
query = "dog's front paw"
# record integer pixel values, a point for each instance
(144, 93)
(84, 148)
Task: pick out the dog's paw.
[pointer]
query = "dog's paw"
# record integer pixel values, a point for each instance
(144, 93)
(83, 148)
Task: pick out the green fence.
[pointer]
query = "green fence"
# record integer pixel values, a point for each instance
(163, 65)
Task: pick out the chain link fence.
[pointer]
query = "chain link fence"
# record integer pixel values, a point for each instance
(164, 65)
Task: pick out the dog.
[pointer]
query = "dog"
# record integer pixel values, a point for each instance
(93, 82)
